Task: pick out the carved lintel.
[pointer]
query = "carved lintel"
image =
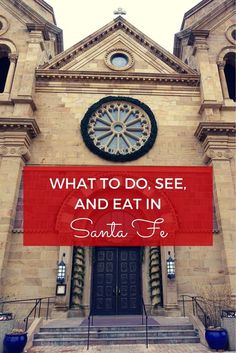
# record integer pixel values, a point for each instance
(28, 125)
(205, 129)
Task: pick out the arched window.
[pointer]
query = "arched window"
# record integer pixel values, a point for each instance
(230, 73)
(4, 66)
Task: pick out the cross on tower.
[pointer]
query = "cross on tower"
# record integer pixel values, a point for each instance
(119, 11)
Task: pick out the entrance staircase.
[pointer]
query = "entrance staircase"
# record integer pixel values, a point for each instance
(71, 332)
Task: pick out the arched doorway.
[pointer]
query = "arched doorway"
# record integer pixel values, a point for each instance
(229, 70)
(4, 66)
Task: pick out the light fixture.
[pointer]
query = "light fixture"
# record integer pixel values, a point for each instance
(61, 271)
(170, 262)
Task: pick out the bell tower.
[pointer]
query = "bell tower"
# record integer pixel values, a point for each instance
(206, 43)
(29, 37)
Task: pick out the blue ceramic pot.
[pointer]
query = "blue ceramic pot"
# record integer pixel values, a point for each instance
(217, 339)
(15, 343)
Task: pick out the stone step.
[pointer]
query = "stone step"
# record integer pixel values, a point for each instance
(111, 334)
(108, 341)
(117, 328)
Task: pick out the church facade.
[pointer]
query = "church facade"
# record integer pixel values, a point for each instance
(178, 110)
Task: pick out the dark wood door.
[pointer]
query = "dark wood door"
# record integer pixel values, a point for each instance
(116, 288)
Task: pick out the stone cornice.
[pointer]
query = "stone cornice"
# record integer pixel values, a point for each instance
(39, 27)
(205, 129)
(198, 35)
(59, 75)
(28, 125)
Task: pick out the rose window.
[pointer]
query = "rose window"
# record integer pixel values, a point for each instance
(121, 129)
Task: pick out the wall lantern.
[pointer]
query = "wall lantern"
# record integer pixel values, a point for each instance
(61, 277)
(61, 271)
(170, 262)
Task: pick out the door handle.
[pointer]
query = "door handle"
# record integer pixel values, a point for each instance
(116, 291)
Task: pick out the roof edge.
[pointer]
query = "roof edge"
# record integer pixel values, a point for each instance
(136, 34)
(193, 10)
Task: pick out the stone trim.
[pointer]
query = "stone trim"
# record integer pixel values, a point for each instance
(55, 75)
(39, 27)
(209, 105)
(24, 100)
(5, 25)
(198, 35)
(14, 151)
(214, 128)
(228, 34)
(18, 124)
(113, 51)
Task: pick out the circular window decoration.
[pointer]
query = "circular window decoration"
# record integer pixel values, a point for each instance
(119, 59)
(231, 34)
(119, 128)
(3, 25)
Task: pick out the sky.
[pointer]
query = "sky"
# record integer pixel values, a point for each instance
(158, 19)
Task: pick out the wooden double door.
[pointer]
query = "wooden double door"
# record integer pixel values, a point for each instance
(116, 281)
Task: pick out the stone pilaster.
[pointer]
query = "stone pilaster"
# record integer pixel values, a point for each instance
(221, 66)
(11, 71)
(218, 142)
(62, 302)
(209, 103)
(170, 294)
(15, 139)
(24, 100)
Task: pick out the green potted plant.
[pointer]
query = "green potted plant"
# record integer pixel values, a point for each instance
(15, 341)
(213, 299)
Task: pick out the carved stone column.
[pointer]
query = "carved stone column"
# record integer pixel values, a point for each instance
(15, 139)
(11, 71)
(218, 142)
(221, 66)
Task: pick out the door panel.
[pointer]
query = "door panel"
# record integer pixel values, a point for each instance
(129, 281)
(116, 281)
(104, 282)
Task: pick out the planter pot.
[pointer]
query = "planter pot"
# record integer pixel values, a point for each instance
(217, 339)
(15, 343)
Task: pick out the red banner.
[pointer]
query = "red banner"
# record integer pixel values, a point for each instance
(118, 206)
